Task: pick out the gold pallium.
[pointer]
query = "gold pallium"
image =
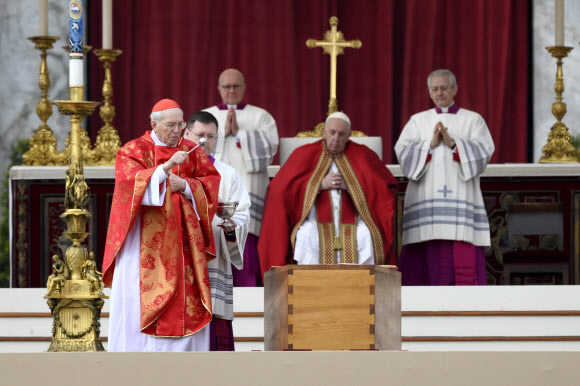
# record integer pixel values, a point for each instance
(559, 148)
(75, 287)
(312, 188)
(360, 202)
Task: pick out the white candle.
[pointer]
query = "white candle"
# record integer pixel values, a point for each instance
(75, 70)
(107, 24)
(43, 18)
(559, 10)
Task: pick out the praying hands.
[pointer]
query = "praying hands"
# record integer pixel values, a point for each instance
(231, 126)
(440, 132)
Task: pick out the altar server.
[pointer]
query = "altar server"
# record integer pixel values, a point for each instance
(230, 237)
(248, 141)
(160, 240)
(443, 151)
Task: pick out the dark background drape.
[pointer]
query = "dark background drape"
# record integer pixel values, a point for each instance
(177, 49)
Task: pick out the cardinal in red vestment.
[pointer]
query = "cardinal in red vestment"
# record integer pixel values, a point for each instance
(160, 239)
(332, 202)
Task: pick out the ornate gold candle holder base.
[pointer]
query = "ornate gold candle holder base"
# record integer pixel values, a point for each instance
(75, 298)
(559, 148)
(75, 288)
(42, 149)
(76, 320)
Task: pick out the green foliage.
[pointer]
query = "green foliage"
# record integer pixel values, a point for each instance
(15, 159)
(576, 141)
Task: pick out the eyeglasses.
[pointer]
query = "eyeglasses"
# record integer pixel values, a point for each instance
(442, 88)
(173, 125)
(209, 137)
(231, 87)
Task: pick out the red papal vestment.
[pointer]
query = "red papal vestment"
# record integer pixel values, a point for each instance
(295, 189)
(175, 245)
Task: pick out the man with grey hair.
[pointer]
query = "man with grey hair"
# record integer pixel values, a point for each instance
(247, 140)
(443, 151)
(332, 202)
(160, 240)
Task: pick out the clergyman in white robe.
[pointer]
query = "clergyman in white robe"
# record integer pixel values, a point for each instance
(250, 152)
(443, 200)
(228, 253)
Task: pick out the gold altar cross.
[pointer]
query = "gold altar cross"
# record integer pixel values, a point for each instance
(333, 45)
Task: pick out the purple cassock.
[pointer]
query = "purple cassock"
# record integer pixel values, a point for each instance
(251, 274)
(442, 262)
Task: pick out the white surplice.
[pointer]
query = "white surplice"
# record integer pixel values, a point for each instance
(258, 144)
(228, 253)
(443, 198)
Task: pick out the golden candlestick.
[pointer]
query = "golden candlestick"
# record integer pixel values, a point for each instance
(108, 141)
(75, 288)
(559, 148)
(76, 93)
(333, 44)
(42, 150)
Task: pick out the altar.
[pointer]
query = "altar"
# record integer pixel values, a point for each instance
(36, 230)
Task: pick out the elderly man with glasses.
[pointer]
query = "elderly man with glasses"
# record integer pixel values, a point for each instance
(229, 235)
(332, 202)
(443, 151)
(160, 240)
(247, 140)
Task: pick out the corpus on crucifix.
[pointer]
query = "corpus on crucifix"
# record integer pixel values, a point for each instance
(333, 44)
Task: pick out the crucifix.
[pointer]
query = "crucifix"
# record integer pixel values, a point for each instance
(333, 44)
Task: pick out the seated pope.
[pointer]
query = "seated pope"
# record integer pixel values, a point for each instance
(332, 202)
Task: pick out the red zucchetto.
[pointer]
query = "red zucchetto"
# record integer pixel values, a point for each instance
(165, 104)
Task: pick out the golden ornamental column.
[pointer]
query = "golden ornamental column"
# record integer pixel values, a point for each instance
(75, 288)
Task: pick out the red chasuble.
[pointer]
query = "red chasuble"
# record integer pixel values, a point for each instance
(294, 190)
(175, 245)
